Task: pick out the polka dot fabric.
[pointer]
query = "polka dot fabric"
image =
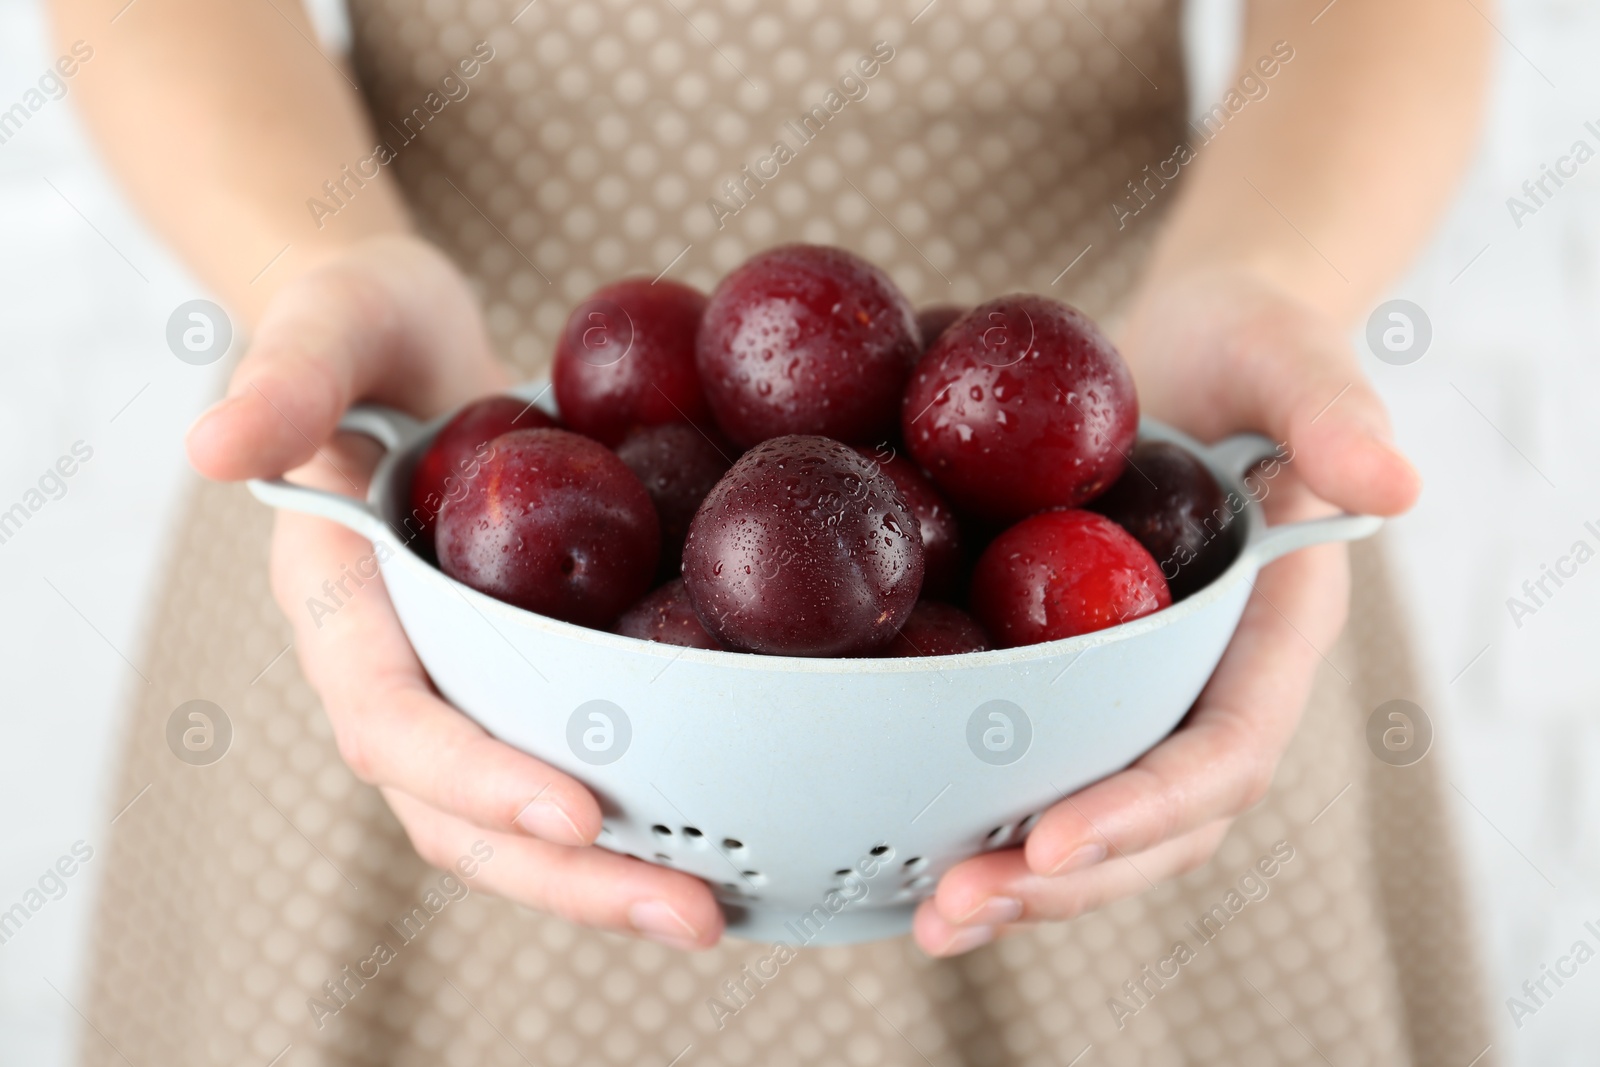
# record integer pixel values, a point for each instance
(981, 158)
(969, 147)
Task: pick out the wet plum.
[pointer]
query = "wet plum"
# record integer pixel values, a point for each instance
(1063, 573)
(666, 617)
(805, 548)
(1022, 405)
(626, 359)
(934, 320)
(941, 531)
(936, 629)
(458, 449)
(678, 465)
(802, 339)
(554, 523)
(1171, 504)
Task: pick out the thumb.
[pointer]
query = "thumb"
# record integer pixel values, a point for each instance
(1339, 432)
(391, 322)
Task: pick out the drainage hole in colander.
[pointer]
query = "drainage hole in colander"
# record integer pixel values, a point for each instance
(753, 877)
(661, 831)
(843, 872)
(732, 844)
(878, 850)
(915, 865)
(693, 835)
(662, 857)
(998, 836)
(1029, 823)
(921, 882)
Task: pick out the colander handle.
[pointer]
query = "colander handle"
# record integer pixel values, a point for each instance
(390, 428)
(1238, 454)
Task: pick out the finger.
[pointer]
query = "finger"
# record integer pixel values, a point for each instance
(1223, 353)
(1294, 378)
(587, 886)
(1220, 761)
(990, 894)
(1338, 430)
(393, 323)
(390, 726)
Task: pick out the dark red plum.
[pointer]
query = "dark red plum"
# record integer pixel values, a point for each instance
(941, 530)
(805, 548)
(457, 451)
(1171, 504)
(1022, 405)
(936, 629)
(626, 359)
(1063, 573)
(934, 320)
(678, 465)
(666, 617)
(554, 523)
(806, 340)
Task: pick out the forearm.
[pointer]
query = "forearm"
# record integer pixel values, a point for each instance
(222, 120)
(1329, 183)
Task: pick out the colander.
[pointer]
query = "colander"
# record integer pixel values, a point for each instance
(820, 798)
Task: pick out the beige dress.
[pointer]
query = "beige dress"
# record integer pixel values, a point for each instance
(972, 147)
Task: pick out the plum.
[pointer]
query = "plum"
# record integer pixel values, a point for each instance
(941, 531)
(932, 321)
(678, 465)
(1021, 405)
(666, 617)
(804, 548)
(1171, 504)
(936, 629)
(626, 359)
(802, 339)
(554, 523)
(1062, 573)
(457, 451)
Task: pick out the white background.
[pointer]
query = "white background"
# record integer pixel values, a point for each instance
(1501, 416)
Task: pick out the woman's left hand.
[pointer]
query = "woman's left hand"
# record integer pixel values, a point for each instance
(1213, 354)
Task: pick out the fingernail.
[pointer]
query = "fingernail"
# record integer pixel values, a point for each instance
(659, 921)
(222, 405)
(1081, 857)
(994, 912)
(1387, 444)
(549, 821)
(1377, 427)
(966, 939)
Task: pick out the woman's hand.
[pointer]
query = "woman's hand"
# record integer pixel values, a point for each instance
(392, 321)
(1213, 354)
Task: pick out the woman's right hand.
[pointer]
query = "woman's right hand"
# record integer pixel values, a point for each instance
(392, 321)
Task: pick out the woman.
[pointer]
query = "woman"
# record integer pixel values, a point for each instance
(385, 232)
